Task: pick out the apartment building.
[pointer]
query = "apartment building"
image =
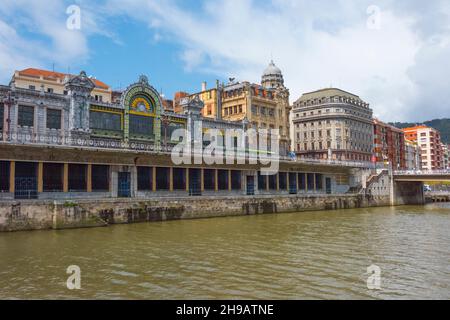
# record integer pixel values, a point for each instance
(429, 141)
(333, 124)
(389, 145)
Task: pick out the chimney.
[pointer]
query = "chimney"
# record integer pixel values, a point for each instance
(204, 84)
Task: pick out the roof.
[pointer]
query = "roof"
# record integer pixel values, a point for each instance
(328, 92)
(32, 72)
(272, 69)
(387, 125)
(416, 128)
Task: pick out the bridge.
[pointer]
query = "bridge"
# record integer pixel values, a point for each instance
(408, 186)
(423, 175)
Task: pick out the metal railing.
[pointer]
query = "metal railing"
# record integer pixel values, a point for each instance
(422, 172)
(66, 139)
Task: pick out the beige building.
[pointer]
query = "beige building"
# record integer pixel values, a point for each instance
(54, 82)
(333, 124)
(264, 106)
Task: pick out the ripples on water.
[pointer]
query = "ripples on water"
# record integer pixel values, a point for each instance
(318, 255)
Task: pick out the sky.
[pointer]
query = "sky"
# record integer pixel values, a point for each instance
(394, 54)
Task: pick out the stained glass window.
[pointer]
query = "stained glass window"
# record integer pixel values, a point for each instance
(53, 119)
(171, 128)
(26, 116)
(105, 121)
(141, 125)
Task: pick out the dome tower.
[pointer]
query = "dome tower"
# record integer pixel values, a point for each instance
(272, 77)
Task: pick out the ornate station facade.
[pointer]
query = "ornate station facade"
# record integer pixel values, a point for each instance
(85, 141)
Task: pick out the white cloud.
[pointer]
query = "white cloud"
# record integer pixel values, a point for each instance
(400, 69)
(315, 43)
(45, 40)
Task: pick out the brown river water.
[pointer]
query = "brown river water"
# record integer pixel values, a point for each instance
(312, 255)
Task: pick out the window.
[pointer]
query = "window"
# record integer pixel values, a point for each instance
(141, 125)
(235, 180)
(50, 90)
(53, 174)
(26, 116)
(168, 130)
(162, 178)
(282, 179)
(209, 179)
(222, 179)
(4, 176)
(179, 179)
(2, 115)
(77, 178)
(105, 121)
(53, 119)
(31, 87)
(100, 178)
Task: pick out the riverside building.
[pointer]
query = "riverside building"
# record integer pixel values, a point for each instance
(264, 106)
(429, 141)
(389, 145)
(333, 124)
(68, 143)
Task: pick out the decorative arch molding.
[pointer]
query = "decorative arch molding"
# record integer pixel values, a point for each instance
(142, 99)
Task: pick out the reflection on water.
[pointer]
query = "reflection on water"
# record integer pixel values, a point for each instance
(318, 255)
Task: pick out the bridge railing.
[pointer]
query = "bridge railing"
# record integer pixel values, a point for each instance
(422, 172)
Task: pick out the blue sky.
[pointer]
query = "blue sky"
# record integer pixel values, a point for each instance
(394, 54)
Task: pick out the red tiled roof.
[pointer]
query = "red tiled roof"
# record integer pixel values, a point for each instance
(56, 75)
(415, 128)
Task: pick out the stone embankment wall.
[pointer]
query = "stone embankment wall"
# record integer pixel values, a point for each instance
(40, 215)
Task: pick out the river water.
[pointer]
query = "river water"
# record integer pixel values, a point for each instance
(312, 255)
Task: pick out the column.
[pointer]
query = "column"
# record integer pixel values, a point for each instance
(12, 176)
(315, 187)
(288, 181)
(202, 179)
(66, 178)
(154, 179)
(298, 182)
(171, 179)
(267, 183)
(187, 179)
(89, 178)
(278, 181)
(40, 184)
(306, 182)
(229, 180)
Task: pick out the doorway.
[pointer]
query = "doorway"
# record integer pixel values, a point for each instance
(124, 185)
